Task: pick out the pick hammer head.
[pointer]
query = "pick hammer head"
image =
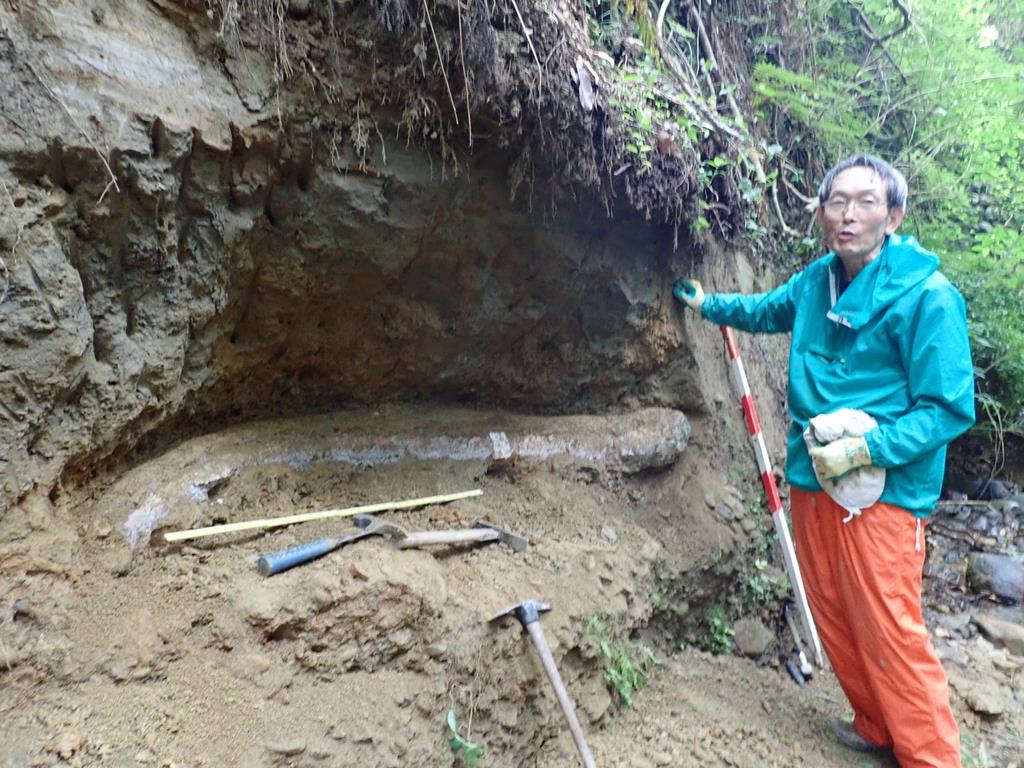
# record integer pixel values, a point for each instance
(518, 543)
(375, 526)
(527, 611)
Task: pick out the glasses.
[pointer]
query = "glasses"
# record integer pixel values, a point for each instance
(838, 205)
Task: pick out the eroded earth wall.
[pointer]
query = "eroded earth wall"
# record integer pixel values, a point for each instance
(183, 246)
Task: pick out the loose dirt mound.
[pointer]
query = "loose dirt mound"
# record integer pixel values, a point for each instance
(186, 656)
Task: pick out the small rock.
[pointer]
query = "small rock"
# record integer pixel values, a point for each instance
(709, 499)
(435, 650)
(950, 655)
(703, 756)
(724, 512)
(358, 572)
(1002, 633)
(118, 562)
(985, 698)
(650, 551)
(748, 524)
(595, 700)
(20, 609)
(979, 524)
(507, 714)
(251, 665)
(752, 638)
(287, 747)
(119, 672)
(662, 758)
(608, 534)
(321, 599)
(68, 743)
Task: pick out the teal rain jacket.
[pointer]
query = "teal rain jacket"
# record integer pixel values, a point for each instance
(893, 344)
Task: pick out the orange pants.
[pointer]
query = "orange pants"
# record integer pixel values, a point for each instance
(863, 581)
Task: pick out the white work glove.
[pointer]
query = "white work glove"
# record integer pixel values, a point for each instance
(690, 293)
(837, 458)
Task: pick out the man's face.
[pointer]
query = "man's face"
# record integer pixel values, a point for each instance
(857, 217)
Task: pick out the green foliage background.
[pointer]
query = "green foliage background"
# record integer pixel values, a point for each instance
(942, 98)
(934, 86)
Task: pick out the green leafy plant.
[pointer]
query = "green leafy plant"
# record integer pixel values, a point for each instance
(974, 754)
(471, 752)
(759, 587)
(627, 668)
(719, 632)
(662, 585)
(939, 90)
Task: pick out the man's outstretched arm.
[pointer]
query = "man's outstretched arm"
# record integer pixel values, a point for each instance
(771, 312)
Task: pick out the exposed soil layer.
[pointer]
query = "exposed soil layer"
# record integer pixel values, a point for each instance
(184, 655)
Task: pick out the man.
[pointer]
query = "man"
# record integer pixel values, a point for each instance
(875, 328)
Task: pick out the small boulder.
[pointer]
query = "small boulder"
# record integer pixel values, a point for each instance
(1002, 633)
(985, 698)
(752, 638)
(595, 700)
(995, 489)
(999, 574)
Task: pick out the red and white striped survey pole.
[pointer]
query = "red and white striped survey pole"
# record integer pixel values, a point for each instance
(764, 466)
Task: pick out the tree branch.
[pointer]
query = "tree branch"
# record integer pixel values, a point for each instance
(869, 31)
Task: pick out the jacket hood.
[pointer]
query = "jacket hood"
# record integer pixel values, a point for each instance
(900, 266)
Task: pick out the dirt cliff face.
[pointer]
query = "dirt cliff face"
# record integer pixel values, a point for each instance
(183, 245)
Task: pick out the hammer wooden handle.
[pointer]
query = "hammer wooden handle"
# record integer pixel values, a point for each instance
(541, 644)
(426, 538)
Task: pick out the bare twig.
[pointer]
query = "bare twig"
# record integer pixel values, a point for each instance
(383, 150)
(661, 16)
(55, 97)
(869, 31)
(465, 74)
(709, 51)
(786, 229)
(440, 62)
(695, 103)
(945, 87)
(529, 39)
(994, 412)
(810, 201)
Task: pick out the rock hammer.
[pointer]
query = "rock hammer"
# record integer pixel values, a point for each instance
(284, 559)
(528, 612)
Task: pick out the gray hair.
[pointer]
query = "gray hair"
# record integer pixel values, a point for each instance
(895, 183)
